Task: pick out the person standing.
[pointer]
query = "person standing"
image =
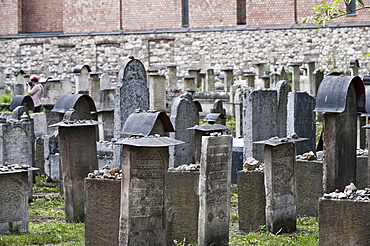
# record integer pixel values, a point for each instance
(35, 90)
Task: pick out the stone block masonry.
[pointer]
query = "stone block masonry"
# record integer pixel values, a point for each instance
(216, 49)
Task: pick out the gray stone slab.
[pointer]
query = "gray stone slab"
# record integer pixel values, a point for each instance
(215, 190)
(182, 206)
(343, 222)
(251, 201)
(102, 211)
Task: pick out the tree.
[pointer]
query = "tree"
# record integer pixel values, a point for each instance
(325, 12)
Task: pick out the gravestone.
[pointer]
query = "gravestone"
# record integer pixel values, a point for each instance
(210, 80)
(249, 77)
(295, 76)
(102, 211)
(144, 166)
(131, 93)
(215, 190)
(2, 83)
(318, 76)
(196, 73)
(238, 105)
(228, 79)
(310, 74)
(182, 206)
(67, 86)
(251, 200)
(52, 158)
(283, 88)
(94, 88)
(157, 92)
(105, 83)
(182, 118)
(189, 82)
(301, 120)
(52, 89)
(340, 97)
(259, 120)
(279, 184)
(78, 152)
(81, 73)
(172, 76)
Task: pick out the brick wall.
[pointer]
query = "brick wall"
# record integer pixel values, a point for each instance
(91, 16)
(8, 17)
(41, 16)
(151, 15)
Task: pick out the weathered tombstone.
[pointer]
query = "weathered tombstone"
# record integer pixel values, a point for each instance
(344, 222)
(266, 81)
(189, 82)
(172, 76)
(83, 104)
(131, 93)
(259, 120)
(215, 190)
(102, 211)
(279, 184)
(94, 87)
(182, 206)
(157, 91)
(250, 79)
(52, 89)
(354, 65)
(260, 68)
(311, 66)
(210, 80)
(81, 73)
(215, 118)
(195, 72)
(301, 120)
(228, 79)
(295, 76)
(340, 97)
(283, 88)
(2, 83)
(251, 200)
(40, 126)
(51, 155)
(67, 86)
(183, 117)
(77, 145)
(144, 166)
(105, 83)
(22, 100)
(107, 128)
(238, 105)
(14, 195)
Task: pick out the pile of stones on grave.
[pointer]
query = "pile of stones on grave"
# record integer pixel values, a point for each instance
(351, 193)
(13, 167)
(106, 173)
(253, 165)
(186, 167)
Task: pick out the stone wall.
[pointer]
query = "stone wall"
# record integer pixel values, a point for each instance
(332, 48)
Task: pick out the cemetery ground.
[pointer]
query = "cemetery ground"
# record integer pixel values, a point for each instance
(47, 224)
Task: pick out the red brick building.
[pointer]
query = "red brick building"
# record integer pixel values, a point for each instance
(85, 16)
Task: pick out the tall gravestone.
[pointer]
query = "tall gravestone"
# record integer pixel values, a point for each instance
(157, 92)
(259, 120)
(301, 120)
(183, 117)
(172, 76)
(215, 190)
(52, 89)
(105, 81)
(78, 152)
(94, 87)
(210, 80)
(144, 166)
(340, 97)
(283, 88)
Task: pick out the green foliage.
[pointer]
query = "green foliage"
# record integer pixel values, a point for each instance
(47, 206)
(13, 229)
(324, 12)
(182, 243)
(5, 98)
(231, 123)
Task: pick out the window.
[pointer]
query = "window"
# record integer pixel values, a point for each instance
(351, 8)
(185, 12)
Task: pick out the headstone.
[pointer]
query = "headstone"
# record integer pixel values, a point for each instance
(189, 82)
(52, 89)
(102, 211)
(250, 79)
(318, 76)
(94, 88)
(144, 166)
(251, 201)
(266, 81)
(259, 120)
(295, 76)
(228, 79)
(340, 97)
(172, 76)
(238, 104)
(40, 126)
(283, 88)
(81, 73)
(354, 65)
(183, 117)
(218, 107)
(67, 86)
(157, 92)
(301, 120)
(131, 93)
(279, 184)
(210, 80)
(77, 146)
(52, 165)
(105, 83)
(2, 83)
(106, 129)
(215, 190)
(311, 67)
(182, 206)
(195, 72)
(107, 99)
